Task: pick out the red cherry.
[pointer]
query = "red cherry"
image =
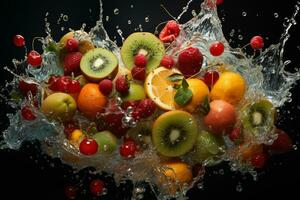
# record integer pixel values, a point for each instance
(88, 146)
(282, 144)
(73, 87)
(72, 45)
(140, 60)
(257, 42)
(219, 2)
(147, 107)
(122, 85)
(235, 134)
(27, 114)
(216, 48)
(70, 192)
(25, 88)
(139, 73)
(167, 62)
(259, 160)
(34, 58)
(18, 40)
(106, 86)
(210, 78)
(128, 148)
(69, 127)
(96, 187)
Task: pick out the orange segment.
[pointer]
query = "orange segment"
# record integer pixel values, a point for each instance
(160, 89)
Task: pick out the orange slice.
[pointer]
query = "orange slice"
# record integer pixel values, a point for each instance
(160, 89)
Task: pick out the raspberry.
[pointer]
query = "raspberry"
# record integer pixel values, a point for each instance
(96, 187)
(147, 107)
(139, 73)
(190, 61)
(140, 60)
(133, 104)
(72, 63)
(72, 45)
(167, 62)
(122, 85)
(170, 32)
(106, 86)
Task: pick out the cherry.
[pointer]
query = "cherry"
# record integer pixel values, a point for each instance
(72, 45)
(25, 88)
(128, 148)
(27, 114)
(139, 73)
(122, 85)
(235, 134)
(147, 107)
(257, 42)
(216, 48)
(34, 58)
(70, 192)
(140, 60)
(106, 86)
(210, 78)
(219, 2)
(167, 62)
(259, 160)
(282, 144)
(88, 146)
(18, 40)
(96, 187)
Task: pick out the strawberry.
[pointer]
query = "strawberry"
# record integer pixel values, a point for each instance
(170, 32)
(167, 62)
(72, 63)
(190, 61)
(140, 60)
(139, 73)
(122, 85)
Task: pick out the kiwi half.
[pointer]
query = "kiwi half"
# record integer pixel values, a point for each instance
(174, 133)
(257, 116)
(98, 64)
(142, 43)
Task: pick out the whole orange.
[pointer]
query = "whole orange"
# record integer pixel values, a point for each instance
(91, 101)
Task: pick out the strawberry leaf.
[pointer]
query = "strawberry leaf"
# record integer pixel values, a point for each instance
(175, 77)
(183, 96)
(184, 84)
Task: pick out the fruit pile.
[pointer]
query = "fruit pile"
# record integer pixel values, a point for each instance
(191, 114)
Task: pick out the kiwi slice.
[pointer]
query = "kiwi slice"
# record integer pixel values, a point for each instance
(174, 133)
(142, 43)
(98, 64)
(207, 146)
(141, 133)
(258, 116)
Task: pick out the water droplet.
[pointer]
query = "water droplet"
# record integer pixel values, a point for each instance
(140, 27)
(116, 11)
(232, 32)
(129, 21)
(62, 28)
(131, 6)
(107, 18)
(244, 14)
(147, 19)
(66, 18)
(200, 185)
(240, 37)
(276, 15)
(295, 147)
(239, 187)
(194, 13)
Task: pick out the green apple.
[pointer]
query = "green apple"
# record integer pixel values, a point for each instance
(59, 106)
(107, 142)
(207, 145)
(136, 92)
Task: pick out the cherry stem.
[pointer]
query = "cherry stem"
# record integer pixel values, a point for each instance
(35, 38)
(169, 13)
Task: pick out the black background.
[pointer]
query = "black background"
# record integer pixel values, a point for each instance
(21, 177)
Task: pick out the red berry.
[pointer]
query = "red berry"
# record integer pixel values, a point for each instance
(133, 104)
(167, 62)
(72, 45)
(27, 114)
(34, 59)
(70, 192)
(69, 127)
(257, 42)
(122, 85)
(147, 107)
(88, 146)
(210, 78)
(72, 63)
(190, 61)
(18, 40)
(259, 160)
(25, 88)
(140, 60)
(282, 144)
(136, 114)
(139, 73)
(216, 48)
(235, 134)
(219, 2)
(128, 148)
(73, 87)
(63, 83)
(96, 187)
(106, 86)
(170, 32)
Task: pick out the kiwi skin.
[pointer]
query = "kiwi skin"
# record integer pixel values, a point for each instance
(176, 119)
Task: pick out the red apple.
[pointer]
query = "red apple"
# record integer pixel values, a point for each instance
(221, 117)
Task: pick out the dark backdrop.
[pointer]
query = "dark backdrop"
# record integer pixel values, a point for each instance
(24, 175)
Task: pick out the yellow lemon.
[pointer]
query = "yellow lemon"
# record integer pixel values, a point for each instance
(230, 87)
